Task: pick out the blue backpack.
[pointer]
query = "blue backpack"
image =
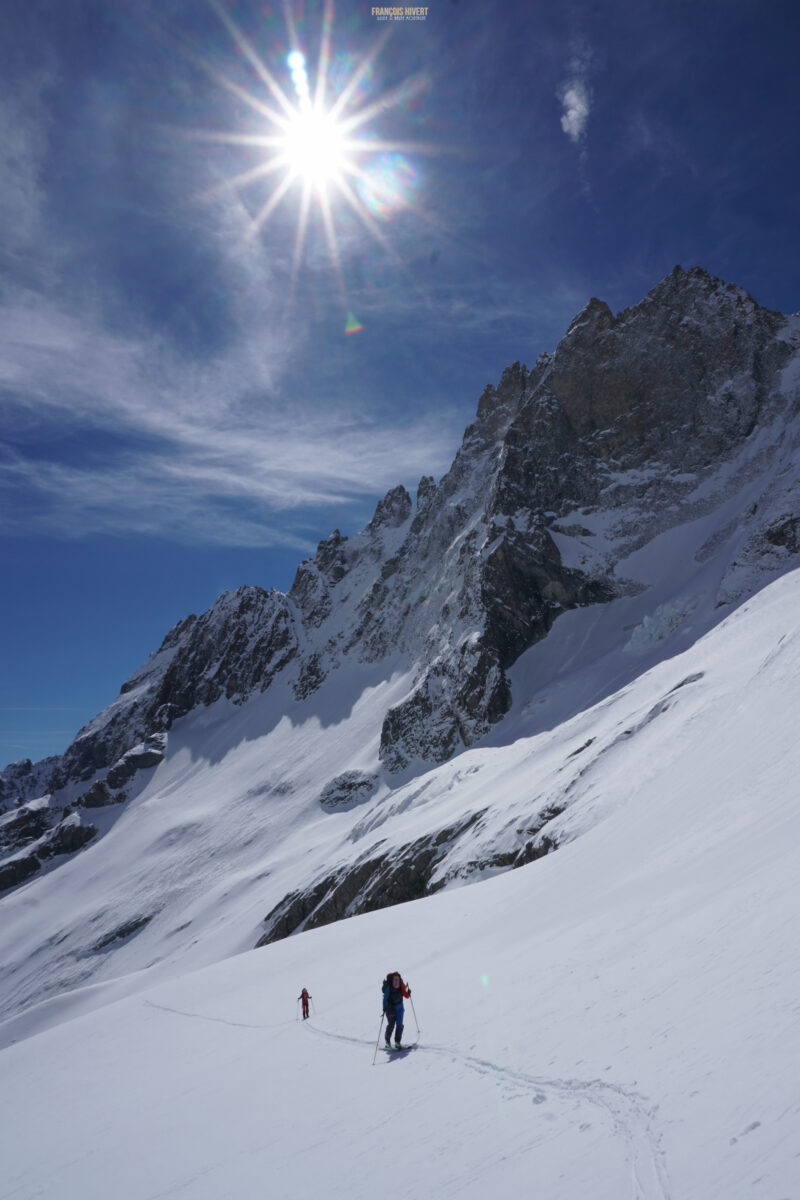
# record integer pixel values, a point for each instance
(392, 996)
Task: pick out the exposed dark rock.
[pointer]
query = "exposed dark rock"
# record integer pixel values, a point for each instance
(347, 790)
(135, 760)
(18, 870)
(455, 702)
(233, 650)
(311, 676)
(27, 826)
(122, 932)
(49, 831)
(66, 838)
(287, 916)
(379, 880)
(785, 533)
(392, 511)
(97, 796)
(331, 558)
(24, 780)
(525, 587)
(581, 749)
(695, 678)
(426, 490)
(372, 882)
(695, 355)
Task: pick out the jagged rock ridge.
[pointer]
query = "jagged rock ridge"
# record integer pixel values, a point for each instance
(678, 407)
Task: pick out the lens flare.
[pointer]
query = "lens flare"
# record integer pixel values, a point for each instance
(388, 185)
(296, 63)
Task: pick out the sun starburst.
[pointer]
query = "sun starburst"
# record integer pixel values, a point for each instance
(320, 146)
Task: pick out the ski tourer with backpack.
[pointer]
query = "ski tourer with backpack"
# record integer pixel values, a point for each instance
(394, 991)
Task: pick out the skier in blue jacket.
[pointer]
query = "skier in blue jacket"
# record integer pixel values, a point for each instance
(394, 991)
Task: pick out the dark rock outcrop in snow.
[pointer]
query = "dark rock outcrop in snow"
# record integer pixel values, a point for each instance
(410, 872)
(369, 884)
(347, 790)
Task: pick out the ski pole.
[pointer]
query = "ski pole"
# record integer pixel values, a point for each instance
(297, 1010)
(380, 1027)
(414, 1011)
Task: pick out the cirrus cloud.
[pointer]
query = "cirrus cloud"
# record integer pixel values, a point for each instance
(575, 93)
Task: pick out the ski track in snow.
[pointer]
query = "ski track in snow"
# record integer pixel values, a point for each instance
(179, 1012)
(631, 1120)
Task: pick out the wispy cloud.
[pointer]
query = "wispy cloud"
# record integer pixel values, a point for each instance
(153, 444)
(115, 423)
(23, 148)
(118, 423)
(575, 93)
(577, 103)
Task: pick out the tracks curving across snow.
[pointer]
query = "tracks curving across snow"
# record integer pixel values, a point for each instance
(633, 1122)
(193, 1016)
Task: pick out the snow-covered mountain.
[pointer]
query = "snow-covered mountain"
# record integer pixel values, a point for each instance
(618, 1020)
(606, 508)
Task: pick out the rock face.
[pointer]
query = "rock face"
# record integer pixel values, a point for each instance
(682, 406)
(408, 872)
(696, 360)
(368, 884)
(347, 790)
(35, 833)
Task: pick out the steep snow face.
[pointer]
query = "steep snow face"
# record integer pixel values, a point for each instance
(617, 1020)
(229, 843)
(604, 510)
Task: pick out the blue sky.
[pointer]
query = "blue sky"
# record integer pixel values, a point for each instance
(181, 408)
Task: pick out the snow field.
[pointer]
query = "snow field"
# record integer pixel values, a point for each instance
(618, 1019)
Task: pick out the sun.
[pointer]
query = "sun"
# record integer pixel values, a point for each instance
(314, 147)
(322, 143)
(314, 143)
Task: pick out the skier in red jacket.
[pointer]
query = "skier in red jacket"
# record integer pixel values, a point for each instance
(304, 996)
(394, 991)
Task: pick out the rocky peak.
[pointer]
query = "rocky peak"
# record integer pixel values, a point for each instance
(392, 511)
(594, 317)
(497, 405)
(680, 376)
(315, 577)
(174, 637)
(425, 491)
(683, 290)
(331, 555)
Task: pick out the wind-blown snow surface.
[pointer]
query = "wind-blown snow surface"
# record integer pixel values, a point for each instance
(618, 1019)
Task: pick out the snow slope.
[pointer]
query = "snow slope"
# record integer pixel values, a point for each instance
(617, 1019)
